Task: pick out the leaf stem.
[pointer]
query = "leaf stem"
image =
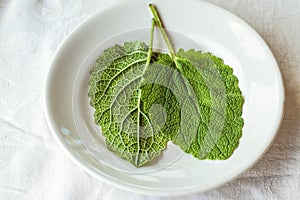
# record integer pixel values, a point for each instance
(150, 50)
(158, 22)
(149, 56)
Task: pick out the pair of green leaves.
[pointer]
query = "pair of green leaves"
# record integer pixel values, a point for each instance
(144, 99)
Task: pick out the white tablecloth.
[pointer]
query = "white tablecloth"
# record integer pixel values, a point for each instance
(33, 166)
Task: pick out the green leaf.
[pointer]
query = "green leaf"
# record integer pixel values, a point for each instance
(211, 124)
(114, 91)
(209, 100)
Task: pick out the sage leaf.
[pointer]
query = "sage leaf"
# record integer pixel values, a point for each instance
(211, 125)
(114, 91)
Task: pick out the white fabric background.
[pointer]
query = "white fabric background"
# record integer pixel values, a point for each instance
(32, 166)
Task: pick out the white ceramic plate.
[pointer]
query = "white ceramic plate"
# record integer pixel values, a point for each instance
(192, 24)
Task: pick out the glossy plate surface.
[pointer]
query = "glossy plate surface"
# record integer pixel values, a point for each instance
(192, 24)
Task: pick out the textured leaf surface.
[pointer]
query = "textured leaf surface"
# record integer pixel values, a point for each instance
(210, 104)
(114, 90)
(194, 101)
